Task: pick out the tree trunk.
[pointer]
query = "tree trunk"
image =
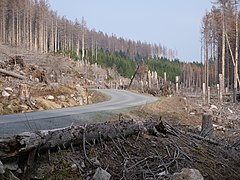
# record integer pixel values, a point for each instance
(236, 57)
(63, 137)
(207, 126)
(9, 73)
(223, 53)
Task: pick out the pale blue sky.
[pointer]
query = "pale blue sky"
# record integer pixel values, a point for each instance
(173, 23)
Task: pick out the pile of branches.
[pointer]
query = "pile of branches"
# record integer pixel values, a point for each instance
(125, 149)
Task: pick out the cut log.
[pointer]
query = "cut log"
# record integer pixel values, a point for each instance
(48, 139)
(9, 73)
(207, 126)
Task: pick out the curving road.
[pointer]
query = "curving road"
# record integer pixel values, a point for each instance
(51, 119)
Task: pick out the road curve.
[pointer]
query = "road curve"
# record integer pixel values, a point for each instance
(51, 119)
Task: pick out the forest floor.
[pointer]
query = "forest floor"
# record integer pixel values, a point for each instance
(156, 156)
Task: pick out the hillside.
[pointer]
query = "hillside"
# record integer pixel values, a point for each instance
(43, 81)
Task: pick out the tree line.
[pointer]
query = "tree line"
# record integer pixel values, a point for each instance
(220, 45)
(33, 25)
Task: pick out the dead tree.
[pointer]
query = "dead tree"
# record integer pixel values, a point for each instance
(207, 126)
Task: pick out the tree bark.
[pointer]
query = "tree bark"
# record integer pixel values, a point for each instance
(236, 56)
(207, 126)
(223, 51)
(9, 73)
(63, 137)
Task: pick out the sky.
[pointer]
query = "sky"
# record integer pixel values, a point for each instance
(175, 24)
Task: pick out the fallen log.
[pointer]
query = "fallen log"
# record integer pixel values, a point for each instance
(64, 137)
(9, 73)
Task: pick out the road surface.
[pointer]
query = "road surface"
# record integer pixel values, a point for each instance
(51, 119)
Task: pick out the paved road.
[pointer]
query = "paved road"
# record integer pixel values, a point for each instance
(50, 119)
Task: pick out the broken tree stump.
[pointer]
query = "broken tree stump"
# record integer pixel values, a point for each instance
(24, 94)
(207, 126)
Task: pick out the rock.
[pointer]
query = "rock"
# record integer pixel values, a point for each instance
(36, 79)
(83, 164)
(74, 167)
(5, 94)
(8, 89)
(199, 127)
(62, 98)
(2, 171)
(101, 174)
(188, 174)
(95, 161)
(50, 97)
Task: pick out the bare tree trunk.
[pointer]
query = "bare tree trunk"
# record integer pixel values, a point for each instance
(204, 93)
(221, 88)
(208, 95)
(30, 33)
(165, 77)
(56, 37)
(17, 28)
(206, 60)
(83, 46)
(96, 51)
(177, 81)
(223, 52)
(236, 57)
(13, 27)
(207, 126)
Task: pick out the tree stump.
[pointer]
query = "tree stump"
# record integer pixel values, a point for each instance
(24, 94)
(207, 126)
